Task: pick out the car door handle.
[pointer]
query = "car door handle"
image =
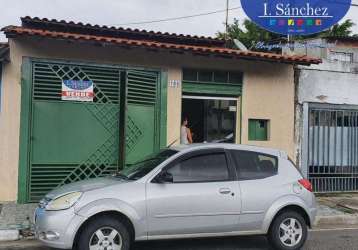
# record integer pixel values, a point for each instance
(224, 191)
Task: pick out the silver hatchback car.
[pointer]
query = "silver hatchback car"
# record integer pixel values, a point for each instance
(192, 191)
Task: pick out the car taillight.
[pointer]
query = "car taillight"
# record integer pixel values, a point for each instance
(306, 184)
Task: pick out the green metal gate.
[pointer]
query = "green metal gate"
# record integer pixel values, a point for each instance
(72, 141)
(69, 141)
(142, 108)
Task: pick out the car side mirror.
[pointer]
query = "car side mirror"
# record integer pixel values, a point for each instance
(165, 177)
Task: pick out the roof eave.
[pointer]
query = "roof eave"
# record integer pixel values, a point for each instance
(12, 33)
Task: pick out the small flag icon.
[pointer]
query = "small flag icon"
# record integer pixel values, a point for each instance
(281, 22)
(318, 22)
(300, 22)
(291, 22)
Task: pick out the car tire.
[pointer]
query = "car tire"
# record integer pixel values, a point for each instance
(105, 231)
(288, 231)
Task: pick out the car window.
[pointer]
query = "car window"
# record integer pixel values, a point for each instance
(143, 167)
(201, 168)
(253, 165)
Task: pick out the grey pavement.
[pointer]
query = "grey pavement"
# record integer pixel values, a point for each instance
(318, 240)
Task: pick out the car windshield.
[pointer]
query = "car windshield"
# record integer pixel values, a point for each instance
(141, 168)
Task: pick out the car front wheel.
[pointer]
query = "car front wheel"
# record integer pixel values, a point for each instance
(288, 231)
(104, 233)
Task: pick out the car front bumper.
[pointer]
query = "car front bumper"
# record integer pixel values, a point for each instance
(57, 229)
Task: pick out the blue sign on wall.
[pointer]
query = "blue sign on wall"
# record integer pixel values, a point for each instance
(77, 90)
(296, 17)
(78, 84)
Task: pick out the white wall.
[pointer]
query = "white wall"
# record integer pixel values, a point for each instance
(330, 82)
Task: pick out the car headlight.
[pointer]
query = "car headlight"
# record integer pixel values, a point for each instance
(64, 202)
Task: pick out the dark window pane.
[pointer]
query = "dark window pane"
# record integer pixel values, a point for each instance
(253, 165)
(235, 77)
(201, 168)
(262, 124)
(220, 76)
(206, 76)
(190, 75)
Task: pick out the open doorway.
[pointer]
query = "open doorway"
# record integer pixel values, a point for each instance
(211, 119)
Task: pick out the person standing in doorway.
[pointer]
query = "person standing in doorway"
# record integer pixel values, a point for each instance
(185, 133)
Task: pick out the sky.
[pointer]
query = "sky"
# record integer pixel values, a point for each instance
(121, 12)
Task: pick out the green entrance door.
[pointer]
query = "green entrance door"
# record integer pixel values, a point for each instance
(68, 141)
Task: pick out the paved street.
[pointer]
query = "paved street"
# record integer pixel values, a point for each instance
(325, 240)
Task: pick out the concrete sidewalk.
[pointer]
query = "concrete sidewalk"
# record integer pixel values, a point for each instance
(337, 210)
(334, 210)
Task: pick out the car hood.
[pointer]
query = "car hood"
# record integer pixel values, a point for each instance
(83, 186)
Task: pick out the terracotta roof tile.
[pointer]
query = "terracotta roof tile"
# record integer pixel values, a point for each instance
(342, 38)
(70, 26)
(13, 30)
(31, 29)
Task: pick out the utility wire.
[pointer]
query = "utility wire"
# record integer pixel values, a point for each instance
(180, 17)
(190, 16)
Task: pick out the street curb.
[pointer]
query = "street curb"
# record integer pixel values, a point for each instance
(9, 235)
(339, 220)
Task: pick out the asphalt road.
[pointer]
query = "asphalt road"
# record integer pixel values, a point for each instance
(345, 239)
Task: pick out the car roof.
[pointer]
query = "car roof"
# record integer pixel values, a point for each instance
(198, 146)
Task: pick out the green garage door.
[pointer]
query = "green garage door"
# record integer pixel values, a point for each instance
(70, 141)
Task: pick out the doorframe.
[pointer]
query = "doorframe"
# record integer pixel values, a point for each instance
(198, 97)
(238, 118)
(25, 127)
(27, 109)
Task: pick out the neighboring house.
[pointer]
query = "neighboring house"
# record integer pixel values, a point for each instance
(144, 82)
(327, 114)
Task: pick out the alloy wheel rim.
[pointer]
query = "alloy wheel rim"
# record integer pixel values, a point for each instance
(106, 238)
(290, 232)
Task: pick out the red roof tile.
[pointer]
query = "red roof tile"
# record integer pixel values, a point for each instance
(88, 29)
(86, 32)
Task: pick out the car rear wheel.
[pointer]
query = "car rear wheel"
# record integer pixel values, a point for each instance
(104, 233)
(288, 231)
